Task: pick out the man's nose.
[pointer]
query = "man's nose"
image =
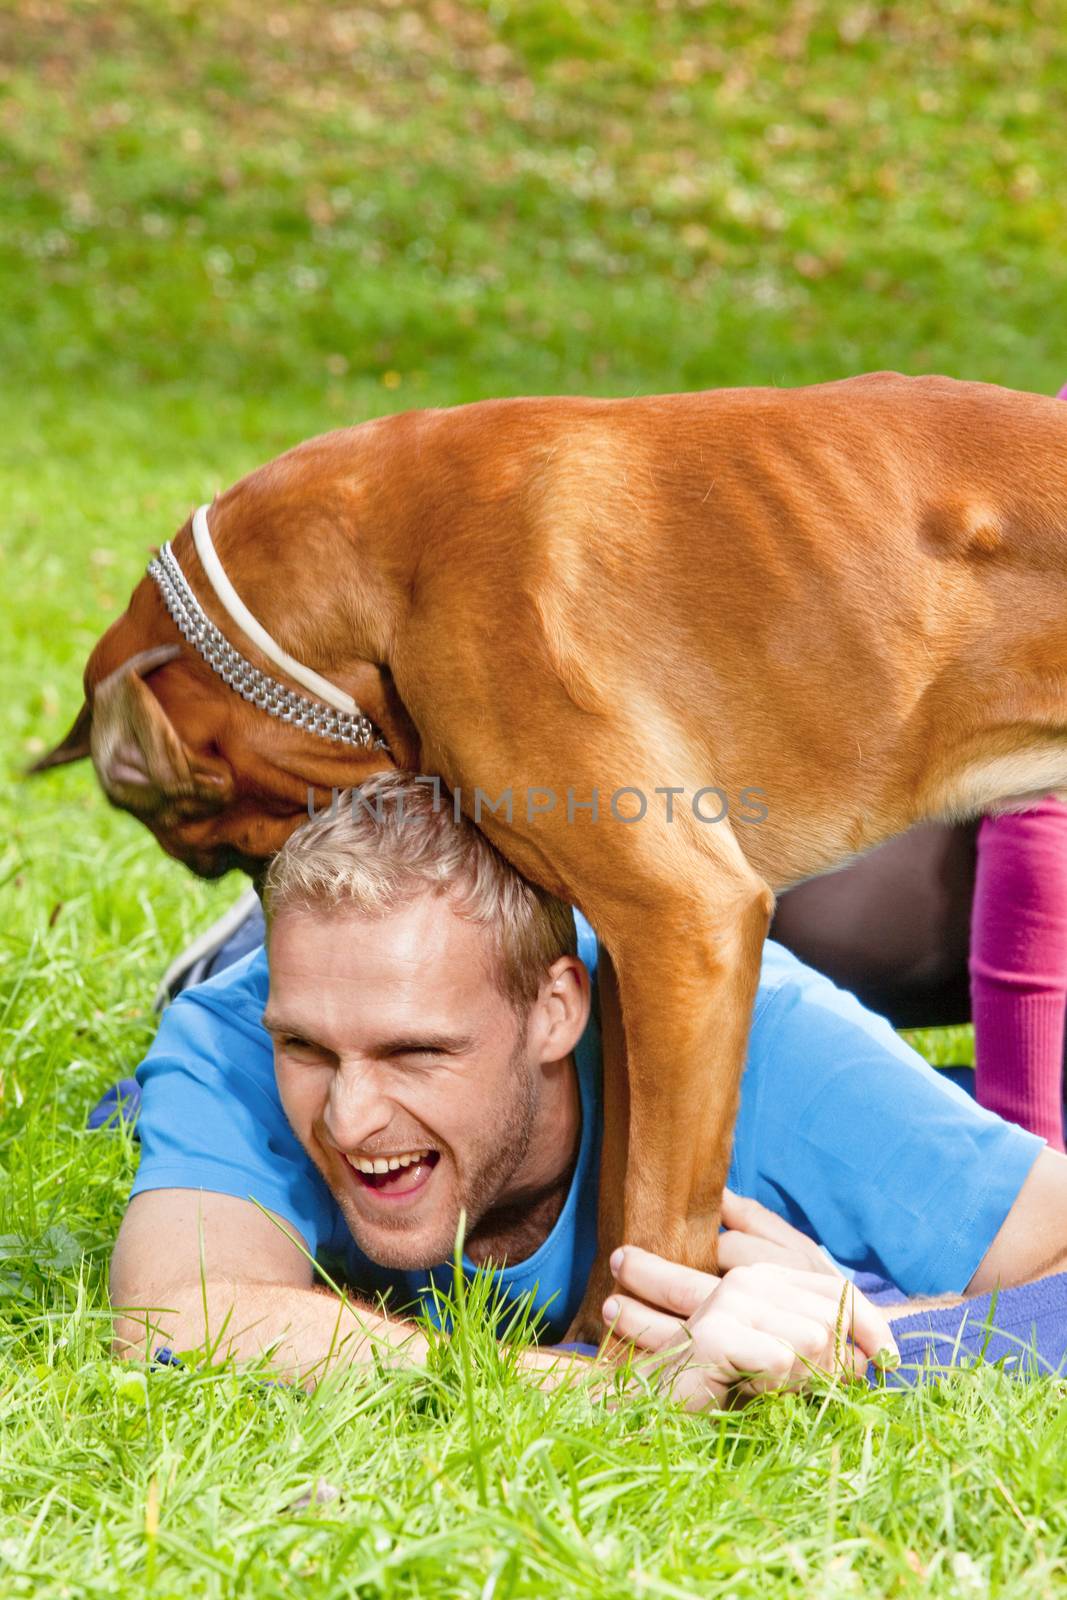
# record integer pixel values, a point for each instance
(358, 1107)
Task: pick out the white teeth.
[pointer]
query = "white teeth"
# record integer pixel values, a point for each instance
(388, 1163)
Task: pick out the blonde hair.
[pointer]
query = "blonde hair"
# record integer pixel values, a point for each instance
(379, 846)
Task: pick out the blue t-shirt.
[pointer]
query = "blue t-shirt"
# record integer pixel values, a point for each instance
(842, 1129)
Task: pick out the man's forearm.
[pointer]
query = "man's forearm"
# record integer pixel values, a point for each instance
(303, 1332)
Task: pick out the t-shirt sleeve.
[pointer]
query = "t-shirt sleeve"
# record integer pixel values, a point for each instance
(849, 1134)
(210, 1114)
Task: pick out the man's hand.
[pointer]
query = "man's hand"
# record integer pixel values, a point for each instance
(754, 1234)
(760, 1326)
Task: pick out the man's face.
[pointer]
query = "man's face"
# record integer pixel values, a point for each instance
(393, 1043)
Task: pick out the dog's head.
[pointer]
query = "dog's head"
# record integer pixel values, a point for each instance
(218, 781)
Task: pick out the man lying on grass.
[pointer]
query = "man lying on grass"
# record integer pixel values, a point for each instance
(428, 1050)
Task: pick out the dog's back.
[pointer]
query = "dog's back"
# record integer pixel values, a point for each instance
(828, 592)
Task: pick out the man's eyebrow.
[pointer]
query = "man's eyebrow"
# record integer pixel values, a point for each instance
(407, 1043)
(277, 1024)
(398, 1045)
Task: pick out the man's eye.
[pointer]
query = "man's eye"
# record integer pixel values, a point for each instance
(292, 1042)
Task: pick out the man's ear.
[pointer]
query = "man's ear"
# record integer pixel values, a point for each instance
(74, 747)
(564, 1006)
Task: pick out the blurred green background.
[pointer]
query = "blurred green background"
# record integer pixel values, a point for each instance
(267, 211)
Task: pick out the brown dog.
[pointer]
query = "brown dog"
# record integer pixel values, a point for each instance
(850, 597)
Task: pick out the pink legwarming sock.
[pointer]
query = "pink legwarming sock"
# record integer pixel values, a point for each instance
(1018, 966)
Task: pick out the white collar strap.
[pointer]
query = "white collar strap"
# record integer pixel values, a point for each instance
(235, 607)
(342, 724)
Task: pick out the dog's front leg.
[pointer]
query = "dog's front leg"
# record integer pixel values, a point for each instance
(687, 976)
(687, 980)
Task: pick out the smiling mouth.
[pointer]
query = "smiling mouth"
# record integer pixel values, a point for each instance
(395, 1177)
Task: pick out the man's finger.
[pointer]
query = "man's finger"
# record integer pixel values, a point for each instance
(748, 1216)
(659, 1282)
(738, 1249)
(869, 1327)
(866, 1324)
(746, 1355)
(642, 1324)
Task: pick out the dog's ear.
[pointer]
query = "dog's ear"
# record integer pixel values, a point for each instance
(74, 747)
(140, 758)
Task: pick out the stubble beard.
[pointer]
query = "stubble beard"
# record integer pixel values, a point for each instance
(490, 1169)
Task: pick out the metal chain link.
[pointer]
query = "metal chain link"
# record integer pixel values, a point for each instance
(259, 688)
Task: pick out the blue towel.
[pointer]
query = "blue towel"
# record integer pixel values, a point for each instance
(1024, 1328)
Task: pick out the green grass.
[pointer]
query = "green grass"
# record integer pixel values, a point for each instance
(224, 227)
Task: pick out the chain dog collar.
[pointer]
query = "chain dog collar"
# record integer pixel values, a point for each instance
(339, 719)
